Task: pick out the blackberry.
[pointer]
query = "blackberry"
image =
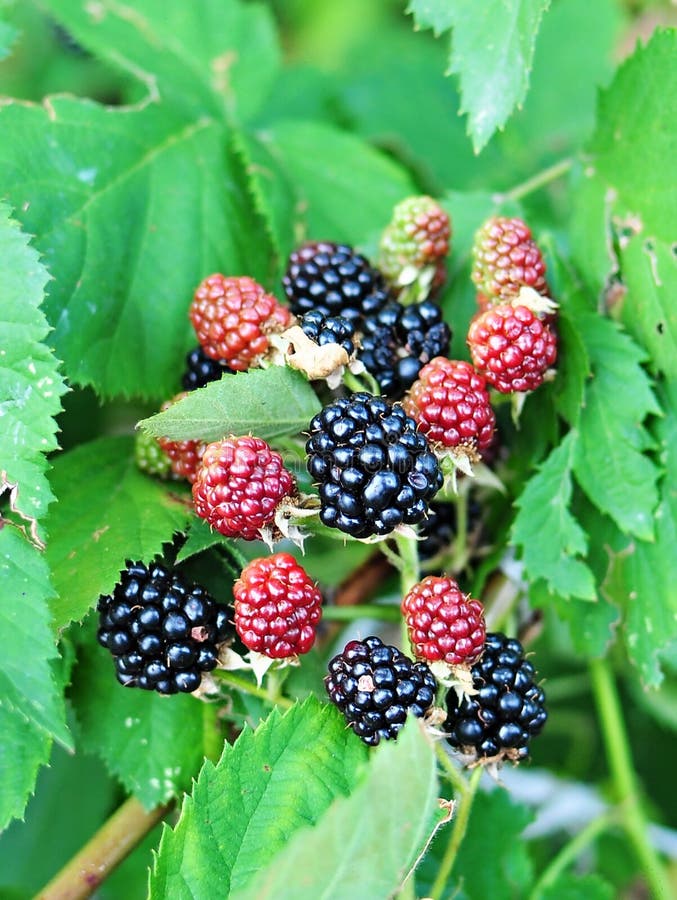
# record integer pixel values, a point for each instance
(374, 469)
(200, 370)
(329, 330)
(375, 686)
(334, 280)
(508, 710)
(399, 340)
(163, 633)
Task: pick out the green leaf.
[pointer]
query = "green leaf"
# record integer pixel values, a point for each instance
(8, 34)
(492, 53)
(345, 188)
(269, 403)
(609, 462)
(119, 200)
(32, 709)
(364, 845)
(642, 576)
(592, 626)
(108, 511)
(154, 745)
(208, 57)
(91, 797)
(623, 227)
(504, 872)
(30, 384)
(544, 511)
(242, 811)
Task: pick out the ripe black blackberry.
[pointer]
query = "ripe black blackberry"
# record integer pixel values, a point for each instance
(399, 340)
(329, 330)
(375, 471)
(334, 280)
(508, 710)
(375, 686)
(163, 633)
(200, 370)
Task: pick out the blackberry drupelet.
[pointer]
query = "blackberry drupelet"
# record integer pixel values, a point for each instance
(334, 280)
(375, 686)
(399, 340)
(163, 633)
(325, 329)
(200, 370)
(508, 710)
(375, 471)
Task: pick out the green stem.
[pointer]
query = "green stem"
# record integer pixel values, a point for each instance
(537, 181)
(458, 782)
(385, 613)
(458, 831)
(570, 851)
(460, 549)
(410, 573)
(81, 876)
(253, 690)
(624, 782)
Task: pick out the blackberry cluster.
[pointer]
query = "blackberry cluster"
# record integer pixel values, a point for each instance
(399, 340)
(325, 329)
(163, 634)
(508, 710)
(334, 280)
(375, 686)
(200, 370)
(374, 469)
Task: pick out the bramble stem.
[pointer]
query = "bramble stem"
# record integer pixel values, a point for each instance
(248, 688)
(537, 181)
(624, 781)
(458, 782)
(81, 876)
(211, 730)
(570, 851)
(386, 613)
(458, 831)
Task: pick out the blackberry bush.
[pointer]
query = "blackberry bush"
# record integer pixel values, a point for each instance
(271, 158)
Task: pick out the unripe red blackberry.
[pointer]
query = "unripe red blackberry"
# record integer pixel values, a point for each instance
(163, 633)
(374, 470)
(233, 318)
(444, 625)
(506, 712)
(417, 236)
(506, 259)
(512, 347)
(333, 279)
(239, 485)
(184, 456)
(375, 686)
(277, 607)
(451, 406)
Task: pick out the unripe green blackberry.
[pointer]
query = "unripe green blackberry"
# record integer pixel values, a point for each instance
(150, 457)
(416, 238)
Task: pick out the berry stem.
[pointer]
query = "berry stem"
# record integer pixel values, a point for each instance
(458, 782)
(623, 776)
(458, 831)
(537, 181)
(248, 688)
(570, 851)
(82, 875)
(382, 612)
(211, 731)
(410, 574)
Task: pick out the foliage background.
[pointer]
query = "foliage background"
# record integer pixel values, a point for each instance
(158, 158)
